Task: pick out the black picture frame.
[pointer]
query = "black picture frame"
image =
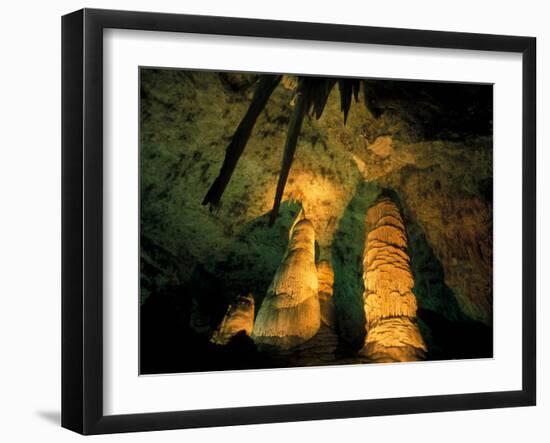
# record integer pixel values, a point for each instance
(82, 220)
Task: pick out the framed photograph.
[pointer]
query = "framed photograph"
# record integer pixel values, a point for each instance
(269, 221)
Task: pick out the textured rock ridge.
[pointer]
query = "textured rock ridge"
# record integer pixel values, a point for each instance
(290, 312)
(325, 276)
(238, 318)
(390, 305)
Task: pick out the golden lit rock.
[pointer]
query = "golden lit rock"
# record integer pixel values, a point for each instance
(290, 312)
(390, 305)
(382, 146)
(238, 318)
(325, 276)
(394, 339)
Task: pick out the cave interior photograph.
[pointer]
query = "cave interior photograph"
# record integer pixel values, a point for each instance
(297, 220)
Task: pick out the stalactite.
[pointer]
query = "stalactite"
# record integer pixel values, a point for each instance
(325, 276)
(390, 305)
(239, 318)
(290, 313)
(291, 142)
(264, 89)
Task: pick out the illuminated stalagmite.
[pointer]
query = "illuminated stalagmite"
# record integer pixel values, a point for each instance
(290, 313)
(325, 276)
(238, 318)
(390, 305)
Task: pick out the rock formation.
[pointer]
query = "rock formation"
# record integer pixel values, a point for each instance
(325, 276)
(390, 305)
(290, 312)
(238, 318)
(459, 227)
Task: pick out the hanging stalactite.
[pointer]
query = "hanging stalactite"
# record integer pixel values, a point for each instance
(264, 89)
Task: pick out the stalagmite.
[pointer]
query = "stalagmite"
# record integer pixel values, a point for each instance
(238, 318)
(390, 305)
(290, 313)
(325, 276)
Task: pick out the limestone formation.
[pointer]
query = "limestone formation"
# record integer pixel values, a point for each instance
(239, 318)
(290, 312)
(325, 276)
(382, 146)
(390, 305)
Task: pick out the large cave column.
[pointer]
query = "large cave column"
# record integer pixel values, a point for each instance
(390, 305)
(290, 312)
(238, 319)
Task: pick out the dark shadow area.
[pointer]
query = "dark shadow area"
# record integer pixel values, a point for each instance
(434, 110)
(347, 261)
(53, 417)
(459, 339)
